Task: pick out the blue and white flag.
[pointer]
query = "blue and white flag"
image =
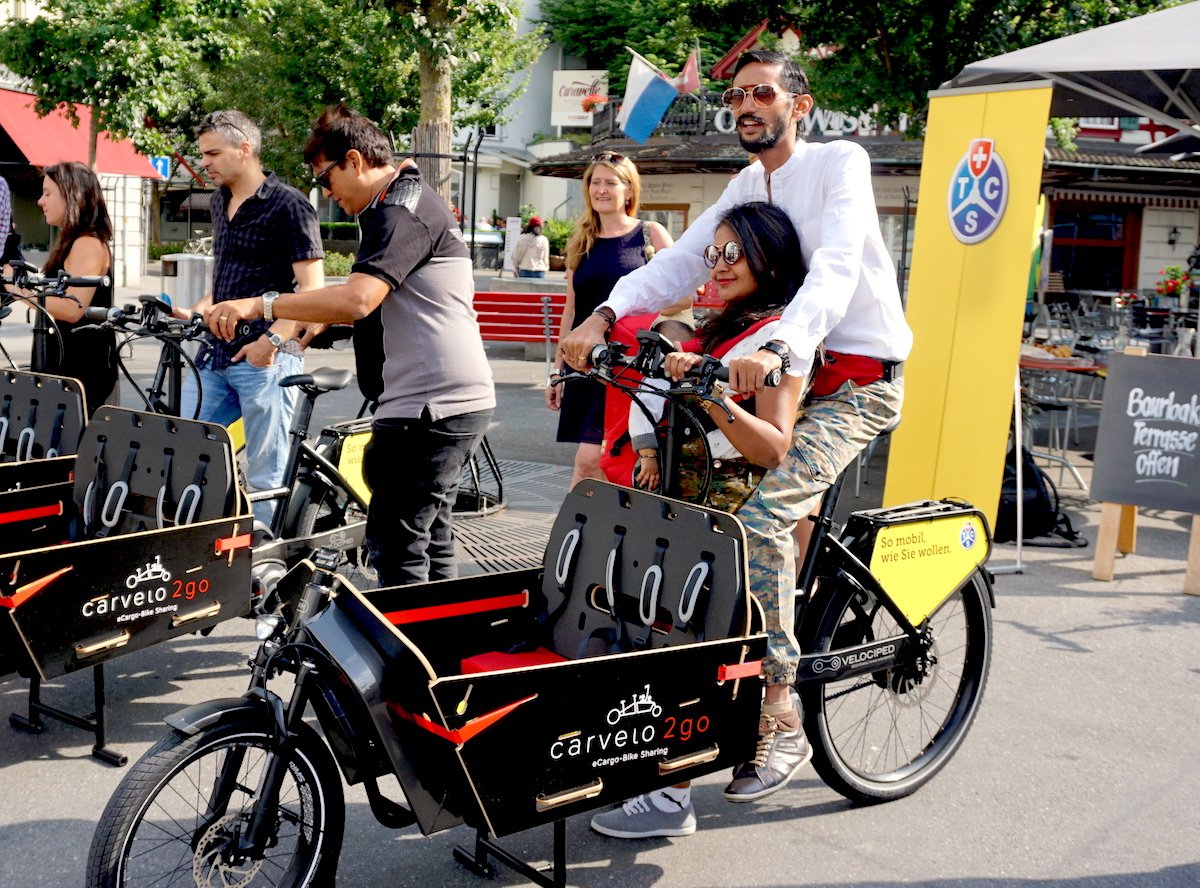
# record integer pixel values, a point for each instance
(648, 95)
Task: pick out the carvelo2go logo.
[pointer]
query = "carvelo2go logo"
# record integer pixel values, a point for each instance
(978, 192)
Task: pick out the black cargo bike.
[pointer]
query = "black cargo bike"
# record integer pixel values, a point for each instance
(628, 661)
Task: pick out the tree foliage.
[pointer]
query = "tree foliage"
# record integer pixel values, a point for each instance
(892, 54)
(130, 60)
(599, 30)
(306, 54)
(152, 68)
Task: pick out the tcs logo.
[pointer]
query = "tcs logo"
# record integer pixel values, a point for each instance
(978, 192)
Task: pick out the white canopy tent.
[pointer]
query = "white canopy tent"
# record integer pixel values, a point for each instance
(1145, 66)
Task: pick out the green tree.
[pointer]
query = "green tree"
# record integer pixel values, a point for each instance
(449, 34)
(305, 54)
(662, 32)
(891, 54)
(139, 64)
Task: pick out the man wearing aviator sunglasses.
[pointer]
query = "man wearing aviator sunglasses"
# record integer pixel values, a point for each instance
(849, 303)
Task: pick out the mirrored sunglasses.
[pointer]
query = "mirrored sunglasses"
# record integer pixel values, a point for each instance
(764, 95)
(731, 253)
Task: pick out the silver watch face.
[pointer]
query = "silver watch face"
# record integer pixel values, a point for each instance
(275, 339)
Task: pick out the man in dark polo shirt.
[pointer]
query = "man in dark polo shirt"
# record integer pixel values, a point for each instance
(265, 238)
(437, 395)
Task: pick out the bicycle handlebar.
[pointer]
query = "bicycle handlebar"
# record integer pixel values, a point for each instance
(649, 361)
(27, 277)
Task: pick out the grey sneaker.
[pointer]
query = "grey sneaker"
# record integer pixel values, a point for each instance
(640, 818)
(780, 755)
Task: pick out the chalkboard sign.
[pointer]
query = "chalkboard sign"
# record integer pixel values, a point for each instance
(1148, 448)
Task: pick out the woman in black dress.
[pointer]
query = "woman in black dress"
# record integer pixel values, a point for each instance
(608, 242)
(73, 203)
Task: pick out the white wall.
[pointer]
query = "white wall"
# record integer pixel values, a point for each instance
(124, 197)
(1155, 253)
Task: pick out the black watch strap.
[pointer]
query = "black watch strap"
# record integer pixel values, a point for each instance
(779, 350)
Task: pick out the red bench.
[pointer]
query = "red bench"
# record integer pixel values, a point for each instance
(521, 317)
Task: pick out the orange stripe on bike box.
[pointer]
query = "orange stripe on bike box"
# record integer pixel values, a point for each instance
(29, 590)
(441, 611)
(228, 544)
(30, 514)
(730, 671)
(461, 735)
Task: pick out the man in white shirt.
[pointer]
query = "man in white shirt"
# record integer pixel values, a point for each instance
(850, 303)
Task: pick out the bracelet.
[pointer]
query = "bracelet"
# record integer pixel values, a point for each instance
(647, 456)
(608, 314)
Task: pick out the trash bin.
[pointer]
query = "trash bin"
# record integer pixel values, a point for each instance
(186, 277)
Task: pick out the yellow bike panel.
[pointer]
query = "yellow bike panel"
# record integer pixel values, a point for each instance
(237, 434)
(350, 463)
(921, 563)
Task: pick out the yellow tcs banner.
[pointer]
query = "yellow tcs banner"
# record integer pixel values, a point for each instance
(980, 182)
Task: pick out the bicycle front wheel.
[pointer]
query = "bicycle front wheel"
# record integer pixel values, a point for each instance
(176, 817)
(882, 736)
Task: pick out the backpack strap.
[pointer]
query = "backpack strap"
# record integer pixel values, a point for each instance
(647, 246)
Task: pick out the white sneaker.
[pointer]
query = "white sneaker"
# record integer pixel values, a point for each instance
(642, 818)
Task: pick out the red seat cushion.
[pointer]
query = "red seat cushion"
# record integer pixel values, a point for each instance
(493, 660)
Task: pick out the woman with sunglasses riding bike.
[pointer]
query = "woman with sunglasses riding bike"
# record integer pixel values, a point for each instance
(609, 241)
(756, 268)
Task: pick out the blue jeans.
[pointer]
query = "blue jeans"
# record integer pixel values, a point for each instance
(413, 467)
(252, 393)
(526, 273)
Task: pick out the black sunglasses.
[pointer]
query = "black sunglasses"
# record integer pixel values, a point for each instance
(220, 118)
(731, 253)
(322, 178)
(764, 95)
(608, 157)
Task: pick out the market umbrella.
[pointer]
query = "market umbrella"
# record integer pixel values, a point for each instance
(1144, 66)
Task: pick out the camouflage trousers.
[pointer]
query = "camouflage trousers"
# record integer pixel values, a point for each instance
(827, 438)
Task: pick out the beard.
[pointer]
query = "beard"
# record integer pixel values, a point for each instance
(768, 138)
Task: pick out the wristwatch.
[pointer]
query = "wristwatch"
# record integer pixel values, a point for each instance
(275, 339)
(781, 350)
(268, 299)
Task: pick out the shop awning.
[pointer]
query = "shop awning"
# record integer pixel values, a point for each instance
(52, 139)
(1093, 195)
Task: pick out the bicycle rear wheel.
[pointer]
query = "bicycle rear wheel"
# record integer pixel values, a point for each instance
(882, 736)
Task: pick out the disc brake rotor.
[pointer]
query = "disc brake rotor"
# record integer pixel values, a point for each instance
(211, 864)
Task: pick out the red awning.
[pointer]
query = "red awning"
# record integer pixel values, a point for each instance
(52, 139)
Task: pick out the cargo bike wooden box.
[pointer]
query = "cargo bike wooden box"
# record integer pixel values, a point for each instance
(629, 661)
(511, 700)
(150, 539)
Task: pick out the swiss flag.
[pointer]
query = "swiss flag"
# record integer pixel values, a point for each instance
(689, 78)
(979, 156)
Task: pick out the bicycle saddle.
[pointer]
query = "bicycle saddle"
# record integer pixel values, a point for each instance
(323, 379)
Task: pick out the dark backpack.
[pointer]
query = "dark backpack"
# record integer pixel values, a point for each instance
(1043, 516)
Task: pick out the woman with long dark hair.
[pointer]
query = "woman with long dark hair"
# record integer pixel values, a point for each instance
(73, 203)
(756, 268)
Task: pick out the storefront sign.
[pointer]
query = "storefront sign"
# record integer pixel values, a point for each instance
(1148, 445)
(568, 90)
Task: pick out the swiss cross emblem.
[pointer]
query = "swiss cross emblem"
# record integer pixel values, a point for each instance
(978, 192)
(980, 155)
